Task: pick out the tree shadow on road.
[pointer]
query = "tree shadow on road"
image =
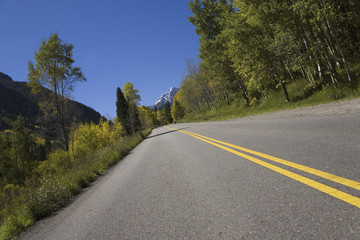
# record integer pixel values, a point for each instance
(157, 135)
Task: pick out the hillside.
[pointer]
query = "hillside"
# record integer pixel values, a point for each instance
(16, 99)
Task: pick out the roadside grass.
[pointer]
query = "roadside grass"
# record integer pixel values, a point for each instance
(300, 96)
(55, 184)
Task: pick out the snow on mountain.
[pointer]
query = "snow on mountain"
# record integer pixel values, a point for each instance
(166, 97)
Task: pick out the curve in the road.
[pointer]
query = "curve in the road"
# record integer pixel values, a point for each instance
(355, 201)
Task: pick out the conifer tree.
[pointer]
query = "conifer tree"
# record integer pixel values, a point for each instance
(122, 108)
(168, 116)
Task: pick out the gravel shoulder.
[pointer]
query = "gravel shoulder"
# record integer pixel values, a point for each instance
(333, 108)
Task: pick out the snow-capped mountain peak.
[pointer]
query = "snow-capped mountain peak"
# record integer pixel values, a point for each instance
(165, 97)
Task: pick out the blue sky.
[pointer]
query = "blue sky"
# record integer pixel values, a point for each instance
(115, 41)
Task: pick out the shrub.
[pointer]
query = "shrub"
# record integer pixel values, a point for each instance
(63, 175)
(48, 197)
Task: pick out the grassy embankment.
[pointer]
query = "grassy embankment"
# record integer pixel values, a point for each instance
(56, 183)
(275, 102)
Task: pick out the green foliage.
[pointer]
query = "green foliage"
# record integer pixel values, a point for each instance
(6, 162)
(132, 97)
(16, 99)
(50, 196)
(274, 102)
(117, 130)
(147, 117)
(42, 189)
(161, 117)
(255, 50)
(54, 70)
(89, 137)
(34, 184)
(133, 116)
(64, 174)
(177, 111)
(15, 224)
(18, 154)
(168, 116)
(56, 161)
(122, 108)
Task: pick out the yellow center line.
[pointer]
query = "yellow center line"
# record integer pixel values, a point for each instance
(328, 176)
(355, 201)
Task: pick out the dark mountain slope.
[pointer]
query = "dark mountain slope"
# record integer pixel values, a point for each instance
(16, 99)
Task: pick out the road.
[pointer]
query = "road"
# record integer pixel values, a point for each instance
(177, 185)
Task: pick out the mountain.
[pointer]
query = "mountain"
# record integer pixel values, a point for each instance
(164, 98)
(16, 99)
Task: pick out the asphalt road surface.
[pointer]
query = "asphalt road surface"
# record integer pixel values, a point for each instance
(178, 185)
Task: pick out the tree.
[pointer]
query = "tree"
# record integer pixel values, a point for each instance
(53, 69)
(147, 117)
(177, 111)
(265, 47)
(122, 108)
(18, 153)
(131, 94)
(23, 149)
(132, 97)
(168, 116)
(209, 18)
(8, 168)
(161, 117)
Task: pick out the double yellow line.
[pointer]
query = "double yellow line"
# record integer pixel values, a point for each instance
(355, 201)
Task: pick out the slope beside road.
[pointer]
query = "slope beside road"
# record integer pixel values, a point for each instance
(176, 185)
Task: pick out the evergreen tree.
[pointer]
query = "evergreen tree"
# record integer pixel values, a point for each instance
(133, 115)
(168, 116)
(122, 108)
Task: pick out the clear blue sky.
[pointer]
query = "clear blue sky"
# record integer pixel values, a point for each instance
(115, 41)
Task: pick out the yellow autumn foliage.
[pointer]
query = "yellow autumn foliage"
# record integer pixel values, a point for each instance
(89, 137)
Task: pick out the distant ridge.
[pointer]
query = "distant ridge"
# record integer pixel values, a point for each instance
(165, 97)
(16, 99)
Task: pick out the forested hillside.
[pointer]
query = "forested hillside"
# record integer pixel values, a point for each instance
(16, 99)
(271, 52)
(72, 144)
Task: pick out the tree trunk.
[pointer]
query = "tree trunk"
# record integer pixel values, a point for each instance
(286, 94)
(66, 140)
(332, 31)
(282, 84)
(330, 65)
(227, 99)
(319, 69)
(301, 66)
(289, 72)
(243, 91)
